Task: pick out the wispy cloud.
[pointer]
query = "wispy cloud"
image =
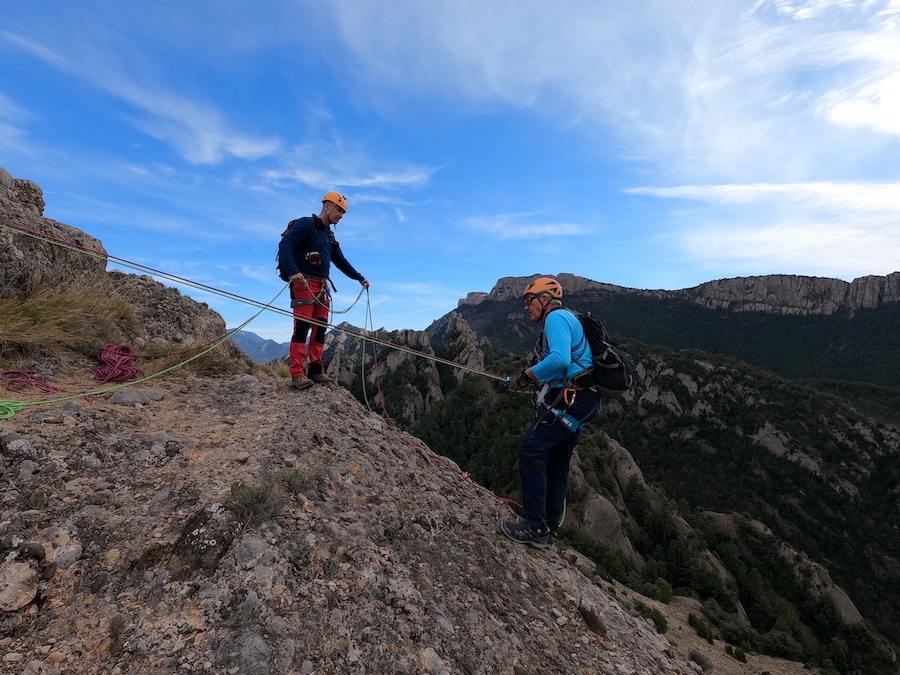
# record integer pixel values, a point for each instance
(520, 226)
(834, 229)
(731, 90)
(196, 131)
(883, 197)
(821, 248)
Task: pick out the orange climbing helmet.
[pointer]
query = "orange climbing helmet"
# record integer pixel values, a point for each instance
(337, 199)
(545, 286)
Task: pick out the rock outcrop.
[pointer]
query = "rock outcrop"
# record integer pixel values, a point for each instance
(34, 249)
(38, 250)
(778, 293)
(411, 371)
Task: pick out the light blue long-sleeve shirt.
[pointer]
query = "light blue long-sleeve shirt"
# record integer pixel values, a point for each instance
(564, 350)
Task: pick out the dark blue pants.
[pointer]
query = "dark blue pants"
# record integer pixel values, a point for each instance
(544, 454)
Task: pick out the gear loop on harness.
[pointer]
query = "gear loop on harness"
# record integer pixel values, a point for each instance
(567, 396)
(321, 298)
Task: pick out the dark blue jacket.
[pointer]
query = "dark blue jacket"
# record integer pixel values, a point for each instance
(292, 254)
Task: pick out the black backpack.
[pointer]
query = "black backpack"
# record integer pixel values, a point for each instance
(613, 372)
(306, 242)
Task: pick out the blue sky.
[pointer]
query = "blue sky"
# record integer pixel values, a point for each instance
(655, 144)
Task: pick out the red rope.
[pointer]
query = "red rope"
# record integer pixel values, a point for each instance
(17, 379)
(118, 364)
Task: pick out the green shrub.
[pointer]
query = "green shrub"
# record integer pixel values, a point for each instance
(659, 621)
(702, 627)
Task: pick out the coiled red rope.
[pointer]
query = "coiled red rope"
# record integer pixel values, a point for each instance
(118, 364)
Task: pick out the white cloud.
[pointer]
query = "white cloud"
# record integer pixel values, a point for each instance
(197, 131)
(875, 106)
(860, 197)
(833, 229)
(821, 248)
(772, 90)
(517, 226)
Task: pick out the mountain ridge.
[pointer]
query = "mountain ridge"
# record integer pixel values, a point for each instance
(775, 293)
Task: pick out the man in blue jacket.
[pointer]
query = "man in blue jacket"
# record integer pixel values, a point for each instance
(306, 251)
(562, 407)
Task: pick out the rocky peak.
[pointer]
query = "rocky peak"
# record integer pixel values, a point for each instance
(454, 336)
(776, 293)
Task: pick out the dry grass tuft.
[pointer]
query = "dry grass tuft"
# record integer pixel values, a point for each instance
(254, 504)
(53, 323)
(49, 321)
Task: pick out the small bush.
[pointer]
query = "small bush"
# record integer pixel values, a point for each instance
(659, 621)
(255, 504)
(700, 625)
(294, 480)
(737, 653)
(699, 659)
(662, 591)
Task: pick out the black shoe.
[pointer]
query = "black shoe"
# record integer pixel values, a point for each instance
(520, 530)
(320, 378)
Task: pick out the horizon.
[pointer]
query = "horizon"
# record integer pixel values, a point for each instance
(658, 146)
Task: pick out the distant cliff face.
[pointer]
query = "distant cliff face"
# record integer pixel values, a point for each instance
(788, 294)
(410, 373)
(778, 293)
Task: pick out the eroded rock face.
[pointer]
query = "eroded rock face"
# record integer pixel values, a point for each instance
(776, 293)
(166, 315)
(789, 294)
(34, 249)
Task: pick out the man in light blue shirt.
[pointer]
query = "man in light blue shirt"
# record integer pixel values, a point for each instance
(563, 405)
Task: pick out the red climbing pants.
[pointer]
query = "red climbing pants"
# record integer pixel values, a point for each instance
(312, 303)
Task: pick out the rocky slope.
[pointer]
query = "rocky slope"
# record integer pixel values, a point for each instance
(230, 525)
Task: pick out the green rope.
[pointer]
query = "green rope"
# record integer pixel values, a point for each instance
(9, 408)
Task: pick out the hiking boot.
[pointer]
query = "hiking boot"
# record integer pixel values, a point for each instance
(520, 530)
(552, 537)
(301, 383)
(320, 378)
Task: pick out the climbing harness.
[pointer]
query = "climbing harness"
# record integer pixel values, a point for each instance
(323, 297)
